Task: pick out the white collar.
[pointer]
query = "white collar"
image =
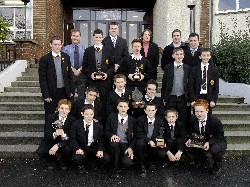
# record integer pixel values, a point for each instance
(112, 37)
(62, 119)
(175, 64)
(85, 123)
(55, 55)
(202, 66)
(152, 121)
(98, 46)
(86, 103)
(124, 118)
(136, 58)
(119, 93)
(148, 98)
(203, 120)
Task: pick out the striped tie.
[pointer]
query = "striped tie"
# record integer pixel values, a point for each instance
(204, 79)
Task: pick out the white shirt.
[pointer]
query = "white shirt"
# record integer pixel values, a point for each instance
(124, 118)
(148, 98)
(55, 55)
(86, 103)
(152, 121)
(204, 123)
(202, 68)
(135, 57)
(91, 132)
(99, 46)
(120, 93)
(176, 65)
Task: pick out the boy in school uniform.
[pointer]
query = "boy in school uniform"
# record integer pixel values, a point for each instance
(149, 127)
(175, 85)
(120, 135)
(204, 81)
(211, 128)
(87, 140)
(175, 136)
(98, 66)
(55, 144)
(91, 95)
(120, 92)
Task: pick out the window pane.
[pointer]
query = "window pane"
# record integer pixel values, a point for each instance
(244, 4)
(227, 5)
(81, 14)
(135, 16)
(11, 2)
(7, 14)
(20, 21)
(108, 15)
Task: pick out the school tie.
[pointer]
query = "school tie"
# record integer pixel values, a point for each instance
(203, 127)
(172, 131)
(204, 78)
(76, 58)
(179, 66)
(122, 120)
(114, 41)
(87, 133)
(192, 52)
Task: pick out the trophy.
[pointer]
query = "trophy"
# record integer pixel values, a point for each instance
(137, 75)
(99, 74)
(137, 97)
(197, 141)
(58, 124)
(160, 138)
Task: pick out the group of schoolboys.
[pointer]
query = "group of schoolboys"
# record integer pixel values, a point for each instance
(119, 128)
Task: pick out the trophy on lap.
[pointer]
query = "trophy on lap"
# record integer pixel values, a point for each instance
(58, 124)
(99, 75)
(197, 141)
(137, 97)
(137, 75)
(160, 138)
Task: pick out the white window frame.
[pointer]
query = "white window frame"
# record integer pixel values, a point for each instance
(237, 9)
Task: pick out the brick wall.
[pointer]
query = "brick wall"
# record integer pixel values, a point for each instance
(204, 23)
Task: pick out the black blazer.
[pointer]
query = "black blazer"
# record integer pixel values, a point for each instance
(78, 106)
(112, 125)
(153, 55)
(179, 134)
(119, 52)
(89, 60)
(78, 136)
(167, 54)
(195, 81)
(192, 60)
(142, 128)
(49, 130)
(168, 78)
(214, 132)
(47, 75)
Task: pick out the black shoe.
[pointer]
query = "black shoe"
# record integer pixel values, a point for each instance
(115, 173)
(51, 166)
(143, 171)
(63, 166)
(216, 171)
(81, 169)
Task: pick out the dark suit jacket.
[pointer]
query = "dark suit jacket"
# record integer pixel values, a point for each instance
(142, 128)
(47, 75)
(179, 134)
(214, 132)
(49, 130)
(168, 78)
(78, 136)
(119, 52)
(89, 60)
(192, 60)
(112, 125)
(78, 106)
(195, 81)
(153, 55)
(167, 54)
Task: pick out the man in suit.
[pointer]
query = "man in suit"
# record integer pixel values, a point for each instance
(91, 94)
(98, 66)
(204, 80)
(55, 77)
(118, 46)
(150, 50)
(55, 144)
(86, 139)
(148, 129)
(211, 128)
(76, 52)
(167, 57)
(120, 135)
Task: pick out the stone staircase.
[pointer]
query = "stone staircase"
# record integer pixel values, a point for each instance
(22, 118)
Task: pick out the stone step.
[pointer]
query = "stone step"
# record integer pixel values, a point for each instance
(238, 150)
(22, 125)
(28, 78)
(232, 107)
(232, 115)
(18, 106)
(25, 84)
(236, 137)
(30, 73)
(236, 125)
(23, 89)
(20, 97)
(31, 70)
(22, 115)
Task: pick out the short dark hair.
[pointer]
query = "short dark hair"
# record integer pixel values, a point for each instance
(150, 104)
(194, 35)
(177, 49)
(137, 40)
(55, 38)
(87, 107)
(171, 110)
(75, 30)
(97, 31)
(113, 23)
(174, 31)
(92, 89)
(152, 81)
(122, 100)
(205, 49)
(119, 76)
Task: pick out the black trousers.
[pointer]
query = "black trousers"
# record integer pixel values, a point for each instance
(80, 85)
(90, 155)
(118, 155)
(146, 153)
(63, 153)
(217, 151)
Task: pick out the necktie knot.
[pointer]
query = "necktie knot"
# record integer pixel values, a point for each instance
(98, 49)
(122, 120)
(179, 66)
(205, 67)
(150, 123)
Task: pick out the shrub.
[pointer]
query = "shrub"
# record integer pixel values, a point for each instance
(4, 30)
